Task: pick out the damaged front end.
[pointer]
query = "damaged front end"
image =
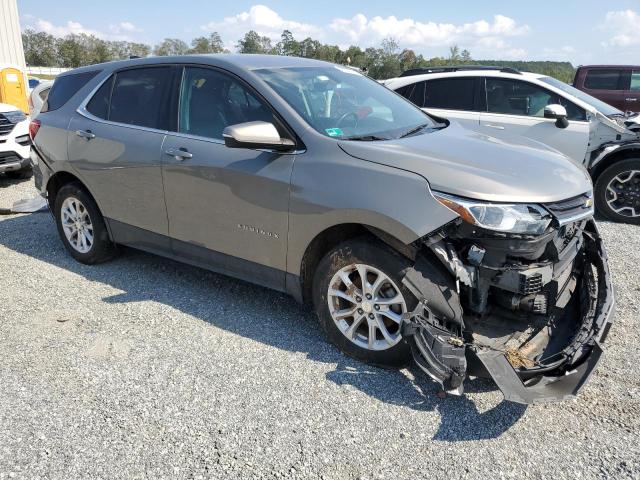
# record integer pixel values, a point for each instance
(527, 310)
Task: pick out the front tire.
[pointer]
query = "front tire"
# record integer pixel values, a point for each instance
(363, 318)
(81, 225)
(617, 191)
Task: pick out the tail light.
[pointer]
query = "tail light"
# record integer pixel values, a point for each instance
(34, 126)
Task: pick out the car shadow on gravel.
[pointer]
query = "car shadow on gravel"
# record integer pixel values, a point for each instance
(265, 316)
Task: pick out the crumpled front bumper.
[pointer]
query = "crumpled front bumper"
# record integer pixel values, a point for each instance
(551, 381)
(562, 380)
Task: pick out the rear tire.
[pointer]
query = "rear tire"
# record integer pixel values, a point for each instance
(613, 191)
(378, 262)
(81, 225)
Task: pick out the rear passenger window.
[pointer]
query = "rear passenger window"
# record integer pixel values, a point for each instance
(450, 94)
(211, 100)
(64, 88)
(603, 79)
(141, 97)
(99, 103)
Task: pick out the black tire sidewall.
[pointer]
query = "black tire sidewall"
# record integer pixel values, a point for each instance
(375, 254)
(601, 185)
(102, 248)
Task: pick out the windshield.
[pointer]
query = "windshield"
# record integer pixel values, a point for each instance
(599, 105)
(340, 102)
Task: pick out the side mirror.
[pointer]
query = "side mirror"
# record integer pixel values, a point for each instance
(559, 113)
(256, 135)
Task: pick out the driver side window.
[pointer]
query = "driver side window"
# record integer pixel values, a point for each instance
(515, 97)
(211, 100)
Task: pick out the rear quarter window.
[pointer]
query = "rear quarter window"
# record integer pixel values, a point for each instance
(64, 88)
(603, 79)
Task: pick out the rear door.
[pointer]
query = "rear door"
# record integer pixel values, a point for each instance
(115, 143)
(632, 99)
(227, 207)
(516, 107)
(453, 98)
(608, 84)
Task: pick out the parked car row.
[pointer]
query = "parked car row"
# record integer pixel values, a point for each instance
(406, 232)
(504, 103)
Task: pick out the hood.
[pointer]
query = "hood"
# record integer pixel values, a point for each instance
(462, 162)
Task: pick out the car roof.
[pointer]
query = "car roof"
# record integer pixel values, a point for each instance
(239, 61)
(408, 80)
(607, 66)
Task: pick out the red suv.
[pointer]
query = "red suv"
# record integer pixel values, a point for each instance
(618, 85)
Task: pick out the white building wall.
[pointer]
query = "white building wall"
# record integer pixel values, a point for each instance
(11, 50)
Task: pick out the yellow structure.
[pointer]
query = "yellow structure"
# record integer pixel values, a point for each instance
(13, 87)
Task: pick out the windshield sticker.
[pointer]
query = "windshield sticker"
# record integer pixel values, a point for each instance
(334, 132)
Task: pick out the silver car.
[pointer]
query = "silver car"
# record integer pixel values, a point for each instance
(408, 234)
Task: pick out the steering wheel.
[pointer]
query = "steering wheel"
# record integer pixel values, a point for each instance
(344, 117)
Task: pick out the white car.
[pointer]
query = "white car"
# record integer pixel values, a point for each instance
(15, 144)
(505, 102)
(38, 96)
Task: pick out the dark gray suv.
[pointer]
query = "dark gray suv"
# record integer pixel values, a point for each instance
(406, 232)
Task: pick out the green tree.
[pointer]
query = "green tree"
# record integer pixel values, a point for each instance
(454, 54)
(40, 48)
(252, 42)
(211, 44)
(465, 56)
(288, 45)
(171, 46)
(121, 50)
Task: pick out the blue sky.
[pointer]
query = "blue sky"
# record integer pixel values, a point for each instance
(586, 31)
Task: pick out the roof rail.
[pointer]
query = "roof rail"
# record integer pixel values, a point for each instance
(456, 68)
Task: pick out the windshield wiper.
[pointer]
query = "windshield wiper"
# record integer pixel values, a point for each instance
(414, 130)
(365, 138)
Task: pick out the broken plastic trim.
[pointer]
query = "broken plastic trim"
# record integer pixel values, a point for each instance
(440, 351)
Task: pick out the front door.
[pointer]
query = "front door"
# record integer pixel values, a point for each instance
(516, 107)
(227, 207)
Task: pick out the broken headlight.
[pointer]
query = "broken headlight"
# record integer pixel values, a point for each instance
(503, 217)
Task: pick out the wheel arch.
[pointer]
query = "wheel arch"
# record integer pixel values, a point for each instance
(619, 154)
(329, 238)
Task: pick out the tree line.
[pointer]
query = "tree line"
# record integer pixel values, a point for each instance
(385, 61)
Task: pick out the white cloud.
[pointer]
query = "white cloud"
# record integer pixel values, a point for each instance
(410, 32)
(482, 37)
(263, 20)
(121, 31)
(624, 26)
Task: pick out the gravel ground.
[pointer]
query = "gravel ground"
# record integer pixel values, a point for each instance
(146, 368)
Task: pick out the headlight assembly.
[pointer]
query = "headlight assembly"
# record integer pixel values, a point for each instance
(523, 218)
(15, 117)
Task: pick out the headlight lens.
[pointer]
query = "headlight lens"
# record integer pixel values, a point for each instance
(503, 217)
(15, 117)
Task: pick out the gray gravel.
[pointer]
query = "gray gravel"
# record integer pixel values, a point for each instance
(146, 368)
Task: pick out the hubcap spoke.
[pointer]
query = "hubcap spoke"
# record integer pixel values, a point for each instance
(623, 193)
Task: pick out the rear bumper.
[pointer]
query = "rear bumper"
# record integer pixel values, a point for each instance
(565, 377)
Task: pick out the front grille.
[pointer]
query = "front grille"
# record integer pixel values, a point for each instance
(572, 209)
(5, 125)
(9, 157)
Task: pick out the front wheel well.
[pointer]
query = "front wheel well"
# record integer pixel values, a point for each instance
(328, 239)
(615, 157)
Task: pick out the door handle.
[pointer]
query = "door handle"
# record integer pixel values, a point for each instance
(491, 125)
(631, 99)
(86, 134)
(179, 153)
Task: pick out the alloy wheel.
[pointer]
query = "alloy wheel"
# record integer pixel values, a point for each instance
(623, 193)
(366, 306)
(77, 225)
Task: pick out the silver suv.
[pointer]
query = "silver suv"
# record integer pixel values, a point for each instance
(405, 232)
